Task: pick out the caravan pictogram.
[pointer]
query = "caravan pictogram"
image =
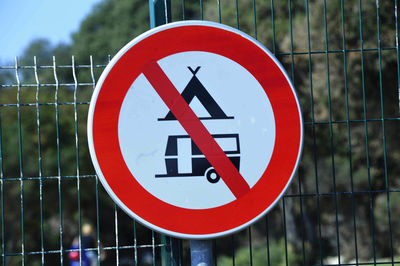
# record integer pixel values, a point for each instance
(200, 166)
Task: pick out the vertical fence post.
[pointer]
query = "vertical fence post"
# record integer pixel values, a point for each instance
(200, 250)
(160, 13)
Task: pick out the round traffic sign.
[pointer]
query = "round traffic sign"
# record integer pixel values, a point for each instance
(195, 129)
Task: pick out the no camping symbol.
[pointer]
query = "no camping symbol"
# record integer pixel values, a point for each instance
(200, 165)
(194, 129)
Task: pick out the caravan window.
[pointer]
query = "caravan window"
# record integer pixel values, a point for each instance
(227, 144)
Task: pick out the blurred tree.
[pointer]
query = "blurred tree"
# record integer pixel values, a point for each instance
(110, 26)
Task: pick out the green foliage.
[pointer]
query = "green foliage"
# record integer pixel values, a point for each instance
(386, 204)
(277, 255)
(110, 26)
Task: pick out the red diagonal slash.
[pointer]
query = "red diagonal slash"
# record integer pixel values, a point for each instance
(196, 130)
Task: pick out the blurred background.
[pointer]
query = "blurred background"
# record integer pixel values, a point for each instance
(343, 206)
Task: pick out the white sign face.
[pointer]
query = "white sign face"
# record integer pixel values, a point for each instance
(145, 136)
(195, 130)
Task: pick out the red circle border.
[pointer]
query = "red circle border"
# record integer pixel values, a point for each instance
(121, 184)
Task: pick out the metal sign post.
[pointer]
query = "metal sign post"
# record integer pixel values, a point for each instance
(201, 252)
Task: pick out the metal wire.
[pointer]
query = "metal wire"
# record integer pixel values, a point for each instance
(41, 178)
(2, 197)
(20, 160)
(384, 134)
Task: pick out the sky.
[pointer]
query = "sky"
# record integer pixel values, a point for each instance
(24, 21)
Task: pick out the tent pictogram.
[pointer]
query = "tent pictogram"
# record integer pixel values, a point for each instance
(195, 89)
(200, 166)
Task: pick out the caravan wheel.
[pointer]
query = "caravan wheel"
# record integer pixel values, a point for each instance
(212, 175)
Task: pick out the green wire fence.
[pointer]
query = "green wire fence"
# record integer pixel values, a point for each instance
(341, 209)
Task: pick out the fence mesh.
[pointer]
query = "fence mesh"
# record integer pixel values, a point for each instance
(342, 207)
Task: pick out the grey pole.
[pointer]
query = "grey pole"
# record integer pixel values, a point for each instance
(201, 252)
